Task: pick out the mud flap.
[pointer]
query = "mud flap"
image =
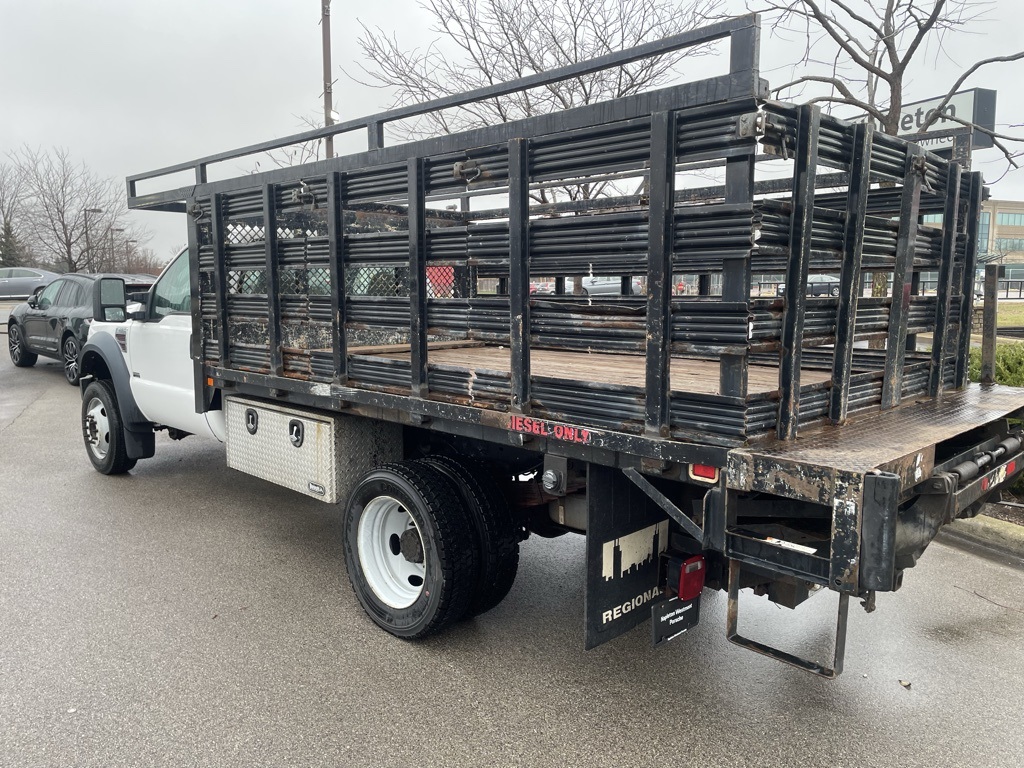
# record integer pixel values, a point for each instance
(626, 533)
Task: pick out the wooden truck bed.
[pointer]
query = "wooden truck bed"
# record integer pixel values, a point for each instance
(626, 371)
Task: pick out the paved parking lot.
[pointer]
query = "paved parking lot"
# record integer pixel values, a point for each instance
(5, 312)
(187, 615)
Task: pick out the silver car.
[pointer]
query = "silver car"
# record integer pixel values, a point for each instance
(601, 285)
(22, 282)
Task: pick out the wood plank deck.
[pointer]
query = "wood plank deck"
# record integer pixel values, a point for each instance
(687, 375)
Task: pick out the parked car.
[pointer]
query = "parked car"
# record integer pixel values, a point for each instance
(55, 322)
(817, 285)
(542, 287)
(22, 282)
(602, 285)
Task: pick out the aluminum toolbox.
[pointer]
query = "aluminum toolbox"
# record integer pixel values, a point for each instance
(316, 453)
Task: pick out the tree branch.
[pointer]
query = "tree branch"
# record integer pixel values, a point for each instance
(937, 112)
(847, 95)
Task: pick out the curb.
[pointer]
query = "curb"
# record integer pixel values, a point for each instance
(996, 536)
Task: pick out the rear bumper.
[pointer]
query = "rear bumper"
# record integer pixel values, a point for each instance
(894, 534)
(890, 481)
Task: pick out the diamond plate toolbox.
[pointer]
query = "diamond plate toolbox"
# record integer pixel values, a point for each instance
(313, 452)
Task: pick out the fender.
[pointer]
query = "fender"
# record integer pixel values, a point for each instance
(101, 358)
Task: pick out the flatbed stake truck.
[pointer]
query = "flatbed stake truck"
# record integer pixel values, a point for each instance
(362, 329)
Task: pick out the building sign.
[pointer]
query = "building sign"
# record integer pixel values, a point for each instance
(977, 105)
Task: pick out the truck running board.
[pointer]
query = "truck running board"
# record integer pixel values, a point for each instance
(732, 633)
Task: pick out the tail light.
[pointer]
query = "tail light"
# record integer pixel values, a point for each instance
(691, 578)
(703, 472)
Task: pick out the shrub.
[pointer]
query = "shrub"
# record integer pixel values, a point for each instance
(1009, 371)
(1009, 365)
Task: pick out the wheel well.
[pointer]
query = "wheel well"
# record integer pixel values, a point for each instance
(93, 365)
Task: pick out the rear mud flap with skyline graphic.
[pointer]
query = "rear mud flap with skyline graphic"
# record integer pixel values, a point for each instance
(626, 534)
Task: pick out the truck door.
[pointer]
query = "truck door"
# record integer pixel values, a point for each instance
(159, 357)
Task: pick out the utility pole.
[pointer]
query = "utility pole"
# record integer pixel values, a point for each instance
(88, 246)
(112, 263)
(129, 256)
(325, 30)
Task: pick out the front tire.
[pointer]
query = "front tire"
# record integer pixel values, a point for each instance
(70, 351)
(103, 431)
(20, 355)
(409, 549)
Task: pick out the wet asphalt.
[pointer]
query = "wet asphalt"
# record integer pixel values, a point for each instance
(188, 615)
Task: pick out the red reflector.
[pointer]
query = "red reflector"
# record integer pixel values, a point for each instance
(1011, 466)
(984, 483)
(703, 470)
(691, 578)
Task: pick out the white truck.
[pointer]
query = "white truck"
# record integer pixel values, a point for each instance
(361, 329)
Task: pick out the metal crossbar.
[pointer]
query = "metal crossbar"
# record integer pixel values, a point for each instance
(740, 59)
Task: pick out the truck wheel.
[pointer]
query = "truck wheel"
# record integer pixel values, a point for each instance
(496, 536)
(102, 430)
(20, 355)
(70, 350)
(409, 549)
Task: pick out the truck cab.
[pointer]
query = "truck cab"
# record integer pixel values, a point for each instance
(137, 370)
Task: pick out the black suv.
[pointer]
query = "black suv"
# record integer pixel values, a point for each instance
(55, 322)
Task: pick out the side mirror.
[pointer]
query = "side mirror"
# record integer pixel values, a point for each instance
(33, 301)
(108, 300)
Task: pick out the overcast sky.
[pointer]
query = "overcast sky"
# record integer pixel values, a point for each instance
(133, 85)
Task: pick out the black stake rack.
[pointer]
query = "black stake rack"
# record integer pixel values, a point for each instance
(400, 277)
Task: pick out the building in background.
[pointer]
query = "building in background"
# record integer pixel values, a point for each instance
(1001, 235)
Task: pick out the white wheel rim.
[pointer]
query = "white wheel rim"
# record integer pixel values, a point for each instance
(97, 428)
(395, 579)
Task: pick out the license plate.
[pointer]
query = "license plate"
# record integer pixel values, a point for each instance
(671, 618)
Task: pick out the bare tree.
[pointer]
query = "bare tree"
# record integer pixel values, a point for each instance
(296, 154)
(61, 199)
(865, 52)
(12, 192)
(136, 259)
(483, 42)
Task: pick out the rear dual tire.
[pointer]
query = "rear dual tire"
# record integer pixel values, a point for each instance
(428, 543)
(409, 550)
(496, 538)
